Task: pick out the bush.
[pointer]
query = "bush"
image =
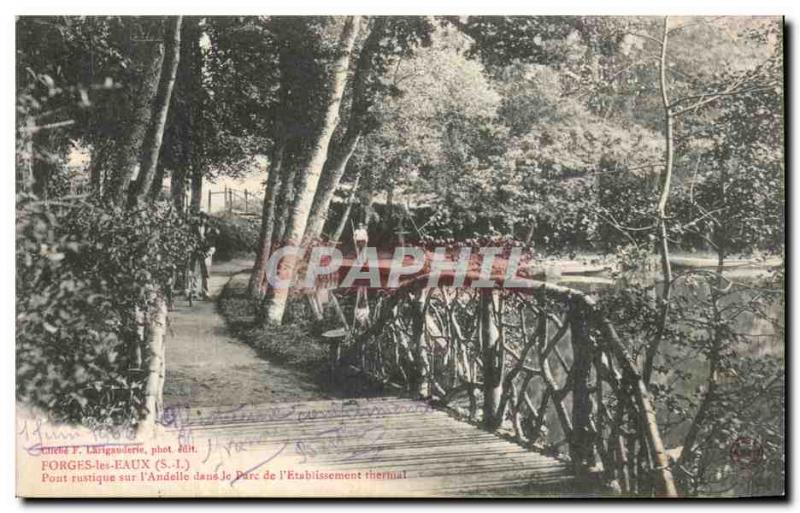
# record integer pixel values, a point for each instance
(233, 236)
(87, 276)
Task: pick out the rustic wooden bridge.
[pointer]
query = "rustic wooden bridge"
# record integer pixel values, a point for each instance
(541, 362)
(499, 392)
(408, 447)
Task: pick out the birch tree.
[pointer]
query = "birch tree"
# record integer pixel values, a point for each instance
(148, 52)
(311, 170)
(152, 145)
(389, 40)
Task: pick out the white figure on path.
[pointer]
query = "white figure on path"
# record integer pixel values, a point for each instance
(361, 310)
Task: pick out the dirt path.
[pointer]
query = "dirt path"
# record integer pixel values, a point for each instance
(206, 366)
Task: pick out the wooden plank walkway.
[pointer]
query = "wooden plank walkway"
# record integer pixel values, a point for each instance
(429, 452)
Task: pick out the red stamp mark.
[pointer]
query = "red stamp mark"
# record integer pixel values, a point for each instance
(747, 451)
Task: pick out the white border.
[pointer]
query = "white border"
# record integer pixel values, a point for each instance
(640, 7)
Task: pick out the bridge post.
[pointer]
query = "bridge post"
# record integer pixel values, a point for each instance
(581, 444)
(493, 359)
(419, 379)
(647, 417)
(664, 479)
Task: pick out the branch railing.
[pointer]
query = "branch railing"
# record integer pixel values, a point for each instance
(542, 363)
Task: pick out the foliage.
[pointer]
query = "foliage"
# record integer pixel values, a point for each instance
(739, 379)
(733, 197)
(628, 222)
(232, 236)
(67, 64)
(233, 95)
(432, 127)
(87, 277)
(438, 93)
(723, 356)
(502, 40)
(547, 132)
(71, 76)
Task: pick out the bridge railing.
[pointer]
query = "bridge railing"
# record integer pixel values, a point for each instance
(540, 362)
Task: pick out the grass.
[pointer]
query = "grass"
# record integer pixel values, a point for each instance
(292, 344)
(295, 344)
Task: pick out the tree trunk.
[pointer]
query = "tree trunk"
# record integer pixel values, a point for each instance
(284, 203)
(331, 176)
(24, 154)
(154, 393)
(273, 198)
(147, 66)
(716, 335)
(341, 153)
(310, 173)
(177, 187)
(258, 280)
(181, 113)
(98, 162)
(531, 232)
(337, 234)
(666, 179)
(367, 200)
(197, 190)
(152, 145)
(158, 184)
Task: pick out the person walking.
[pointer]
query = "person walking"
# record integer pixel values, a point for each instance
(200, 260)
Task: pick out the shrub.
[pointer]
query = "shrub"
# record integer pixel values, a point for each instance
(233, 236)
(87, 276)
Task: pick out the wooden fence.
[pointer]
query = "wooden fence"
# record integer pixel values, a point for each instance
(234, 201)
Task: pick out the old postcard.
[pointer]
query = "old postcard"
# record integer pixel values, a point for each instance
(400, 256)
